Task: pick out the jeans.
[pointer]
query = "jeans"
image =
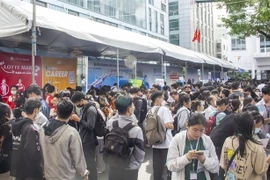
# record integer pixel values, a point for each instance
(90, 158)
(159, 161)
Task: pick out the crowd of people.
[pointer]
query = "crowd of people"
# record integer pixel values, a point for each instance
(196, 131)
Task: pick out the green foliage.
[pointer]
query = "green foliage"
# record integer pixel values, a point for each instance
(247, 17)
(239, 75)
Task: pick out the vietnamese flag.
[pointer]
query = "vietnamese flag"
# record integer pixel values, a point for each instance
(197, 36)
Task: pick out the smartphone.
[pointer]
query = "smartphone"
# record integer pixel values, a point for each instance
(200, 153)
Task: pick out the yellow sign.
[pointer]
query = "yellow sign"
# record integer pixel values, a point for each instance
(61, 73)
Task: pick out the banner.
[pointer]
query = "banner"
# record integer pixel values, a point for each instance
(61, 73)
(136, 82)
(16, 69)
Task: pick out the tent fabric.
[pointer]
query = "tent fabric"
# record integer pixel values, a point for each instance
(16, 19)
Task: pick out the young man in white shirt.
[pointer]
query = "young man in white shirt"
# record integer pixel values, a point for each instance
(160, 151)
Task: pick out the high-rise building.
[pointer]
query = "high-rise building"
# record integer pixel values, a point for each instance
(185, 16)
(220, 33)
(146, 17)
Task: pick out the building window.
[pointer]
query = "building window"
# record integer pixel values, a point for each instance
(156, 17)
(40, 3)
(238, 44)
(174, 39)
(163, 7)
(162, 24)
(173, 8)
(56, 8)
(93, 5)
(218, 47)
(151, 2)
(74, 13)
(150, 19)
(264, 44)
(174, 24)
(76, 2)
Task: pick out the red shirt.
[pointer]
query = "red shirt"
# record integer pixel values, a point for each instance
(49, 99)
(10, 101)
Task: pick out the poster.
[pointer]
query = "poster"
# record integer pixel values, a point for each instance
(16, 69)
(136, 82)
(159, 82)
(104, 72)
(59, 72)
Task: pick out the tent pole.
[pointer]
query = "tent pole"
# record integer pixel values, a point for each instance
(135, 73)
(118, 73)
(34, 41)
(214, 69)
(186, 76)
(202, 76)
(162, 66)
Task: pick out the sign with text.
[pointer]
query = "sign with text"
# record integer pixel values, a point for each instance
(61, 73)
(16, 69)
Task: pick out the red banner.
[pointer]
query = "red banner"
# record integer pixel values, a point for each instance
(16, 69)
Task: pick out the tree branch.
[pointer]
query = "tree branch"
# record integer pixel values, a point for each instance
(264, 33)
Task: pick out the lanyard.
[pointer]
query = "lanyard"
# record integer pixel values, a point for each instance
(193, 161)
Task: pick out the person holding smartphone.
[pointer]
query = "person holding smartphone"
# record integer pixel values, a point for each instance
(191, 153)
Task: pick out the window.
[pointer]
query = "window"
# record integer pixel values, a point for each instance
(264, 44)
(163, 7)
(174, 24)
(156, 15)
(93, 5)
(174, 39)
(173, 8)
(56, 8)
(110, 11)
(162, 24)
(76, 2)
(238, 44)
(150, 19)
(151, 2)
(74, 13)
(218, 47)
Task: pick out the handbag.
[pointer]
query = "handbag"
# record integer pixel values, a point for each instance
(230, 162)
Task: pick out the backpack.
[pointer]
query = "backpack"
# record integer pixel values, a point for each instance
(100, 123)
(175, 122)
(143, 110)
(154, 129)
(117, 146)
(211, 123)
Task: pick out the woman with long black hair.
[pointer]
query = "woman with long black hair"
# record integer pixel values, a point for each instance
(249, 161)
(5, 141)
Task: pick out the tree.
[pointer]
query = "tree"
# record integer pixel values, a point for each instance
(238, 75)
(247, 17)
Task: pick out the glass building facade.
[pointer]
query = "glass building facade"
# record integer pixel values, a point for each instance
(129, 11)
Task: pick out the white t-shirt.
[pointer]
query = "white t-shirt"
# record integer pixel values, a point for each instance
(165, 116)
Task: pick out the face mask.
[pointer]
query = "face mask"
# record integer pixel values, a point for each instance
(258, 94)
(13, 92)
(257, 130)
(79, 106)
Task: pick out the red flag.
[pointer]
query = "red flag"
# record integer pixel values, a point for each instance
(195, 35)
(199, 36)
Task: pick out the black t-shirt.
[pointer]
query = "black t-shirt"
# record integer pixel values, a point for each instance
(222, 131)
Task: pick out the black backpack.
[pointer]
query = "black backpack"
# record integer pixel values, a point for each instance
(117, 146)
(100, 123)
(175, 122)
(143, 110)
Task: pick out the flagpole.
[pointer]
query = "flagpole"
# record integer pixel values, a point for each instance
(34, 41)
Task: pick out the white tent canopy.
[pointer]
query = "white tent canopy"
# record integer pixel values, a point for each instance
(60, 31)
